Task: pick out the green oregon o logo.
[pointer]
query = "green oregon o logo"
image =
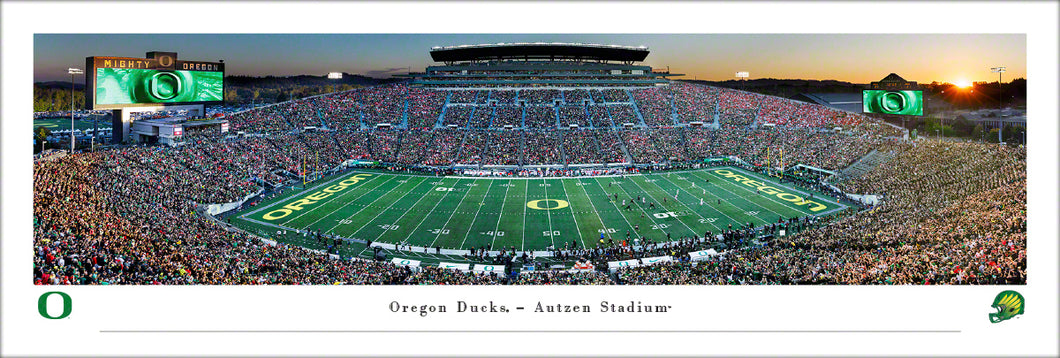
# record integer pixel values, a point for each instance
(165, 85)
(536, 204)
(892, 102)
(42, 305)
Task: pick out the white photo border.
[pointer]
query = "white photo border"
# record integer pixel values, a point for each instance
(704, 320)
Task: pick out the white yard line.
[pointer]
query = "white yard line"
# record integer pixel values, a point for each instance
(493, 240)
(522, 240)
(646, 214)
(602, 225)
(303, 191)
(428, 214)
(576, 225)
(365, 193)
(694, 233)
(476, 215)
(551, 231)
(450, 216)
(402, 214)
(752, 202)
(730, 204)
(686, 205)
(613, 203)
(332, 229)
(369, 222)
(321, 217)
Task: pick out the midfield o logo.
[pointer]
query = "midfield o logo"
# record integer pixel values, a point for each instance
(543, 204)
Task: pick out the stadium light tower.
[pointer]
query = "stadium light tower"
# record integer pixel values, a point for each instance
(1000, 121)
(72, 71)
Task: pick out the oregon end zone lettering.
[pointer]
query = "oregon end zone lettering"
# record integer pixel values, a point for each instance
(788, 197)
(314, 197)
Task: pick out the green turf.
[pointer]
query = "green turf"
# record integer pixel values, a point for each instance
(463, 213)
(58, 124)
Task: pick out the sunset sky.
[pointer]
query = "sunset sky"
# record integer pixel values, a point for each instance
(858, 58)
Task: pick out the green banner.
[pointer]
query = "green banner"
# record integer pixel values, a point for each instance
(134, 86)
(908, 103)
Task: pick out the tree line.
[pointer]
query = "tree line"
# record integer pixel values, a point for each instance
(56, 98)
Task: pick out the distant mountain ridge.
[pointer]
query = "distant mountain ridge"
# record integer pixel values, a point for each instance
(59, 85)
(786, 87)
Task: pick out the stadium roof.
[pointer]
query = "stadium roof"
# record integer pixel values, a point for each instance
(539, 50)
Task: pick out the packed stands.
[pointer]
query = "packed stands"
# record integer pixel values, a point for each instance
(952, 212)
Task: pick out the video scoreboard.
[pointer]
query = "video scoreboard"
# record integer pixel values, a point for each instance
(893, 95)
(120, 82)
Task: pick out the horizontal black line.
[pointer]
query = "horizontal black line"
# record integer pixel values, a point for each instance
(529, 331)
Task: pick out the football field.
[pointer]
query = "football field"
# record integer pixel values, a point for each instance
(58, 124)
(533, 214)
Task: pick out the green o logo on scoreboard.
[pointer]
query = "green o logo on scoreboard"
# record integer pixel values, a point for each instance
(902, 102)
(165, 85)
(892, 102)
(42, 305)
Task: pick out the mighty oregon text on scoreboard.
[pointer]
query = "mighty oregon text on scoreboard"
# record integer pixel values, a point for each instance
(159, 79)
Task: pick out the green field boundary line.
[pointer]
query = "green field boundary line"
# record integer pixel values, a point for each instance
(295, 230)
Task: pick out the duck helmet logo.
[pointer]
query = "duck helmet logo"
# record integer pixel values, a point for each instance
(1008, 304)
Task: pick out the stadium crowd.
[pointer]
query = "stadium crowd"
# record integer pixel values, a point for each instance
(951, 212)
(954, 213)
